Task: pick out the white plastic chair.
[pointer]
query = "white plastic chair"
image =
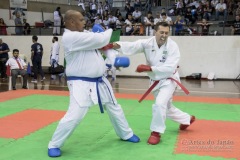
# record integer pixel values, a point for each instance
(10, 81)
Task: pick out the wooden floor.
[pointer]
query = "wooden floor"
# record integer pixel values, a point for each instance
(205, 88)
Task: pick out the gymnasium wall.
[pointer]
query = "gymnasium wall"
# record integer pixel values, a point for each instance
(199, 54)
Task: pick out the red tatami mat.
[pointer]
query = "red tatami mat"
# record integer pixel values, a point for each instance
(210, 138)
(23, 123)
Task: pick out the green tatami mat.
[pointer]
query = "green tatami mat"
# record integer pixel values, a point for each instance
(95, 139)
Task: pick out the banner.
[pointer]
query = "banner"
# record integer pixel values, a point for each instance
(17, 6)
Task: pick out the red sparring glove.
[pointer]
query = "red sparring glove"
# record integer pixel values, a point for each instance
(143, 68)
(109, 46)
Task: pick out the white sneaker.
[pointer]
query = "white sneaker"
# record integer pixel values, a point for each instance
(34, 81)
(43, 79)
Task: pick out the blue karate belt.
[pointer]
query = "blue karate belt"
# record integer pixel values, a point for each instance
(97, 80)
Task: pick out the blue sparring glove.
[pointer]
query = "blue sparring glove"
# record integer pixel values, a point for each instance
(121, 62)
(98, 28)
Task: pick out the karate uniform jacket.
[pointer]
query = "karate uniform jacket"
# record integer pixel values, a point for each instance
(163, 60)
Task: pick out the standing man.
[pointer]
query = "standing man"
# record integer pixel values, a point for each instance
(57, 18)
(18, 67)
(18, 24)
(85, 68)
(162, 56)
(54, 57)
(3, 58)
(36, 57)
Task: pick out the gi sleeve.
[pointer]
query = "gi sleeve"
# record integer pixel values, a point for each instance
(131, 48)
(77, 41)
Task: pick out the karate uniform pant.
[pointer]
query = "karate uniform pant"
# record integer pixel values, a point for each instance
(164, 108)
(76, 113)
(57, 27)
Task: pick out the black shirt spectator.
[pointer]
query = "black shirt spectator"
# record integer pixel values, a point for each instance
(26, 27)
(236, 26)
(37, 53)
(3, 58)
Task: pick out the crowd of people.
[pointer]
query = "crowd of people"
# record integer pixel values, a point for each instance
(188, 14)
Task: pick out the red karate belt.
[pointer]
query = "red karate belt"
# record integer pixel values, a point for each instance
(156, 82)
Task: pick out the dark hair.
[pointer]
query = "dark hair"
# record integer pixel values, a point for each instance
(55, 38)
(164, 24)
(163, 14)
(35, 38)
(15, 50)
(58, 8)
(149, 12)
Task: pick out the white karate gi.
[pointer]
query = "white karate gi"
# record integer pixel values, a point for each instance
(84, 60)
(57, 23)
(163, 62)
(54, 55)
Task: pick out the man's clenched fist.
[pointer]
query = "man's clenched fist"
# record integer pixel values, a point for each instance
(143, 68)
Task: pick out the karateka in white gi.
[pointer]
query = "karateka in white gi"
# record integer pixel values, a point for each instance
(162, 56)
(85, 68)
(57, 17)
(54, 57)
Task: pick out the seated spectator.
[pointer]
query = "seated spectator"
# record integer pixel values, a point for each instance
(93, 9)
(189, 18)
(17, 67)
(213, 5)
(195, 3)
(238, 9)
(236, 26)
(3, 27)
(179, 7)
(179, 23)
(120, 24)
(137, 4)
(106, 22)
(105, 14)
(26, 27)
(207, 12)
(112, 21)
(200, 11)
(149, 24)
(165, 18)
(117, 13)
(230, 6)
(221, 8)
(129, 9)
(106, 7)
(131, 28)
(98, 20)
(137, 15)
(157, 18)
(205, 26)
(100, 8)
